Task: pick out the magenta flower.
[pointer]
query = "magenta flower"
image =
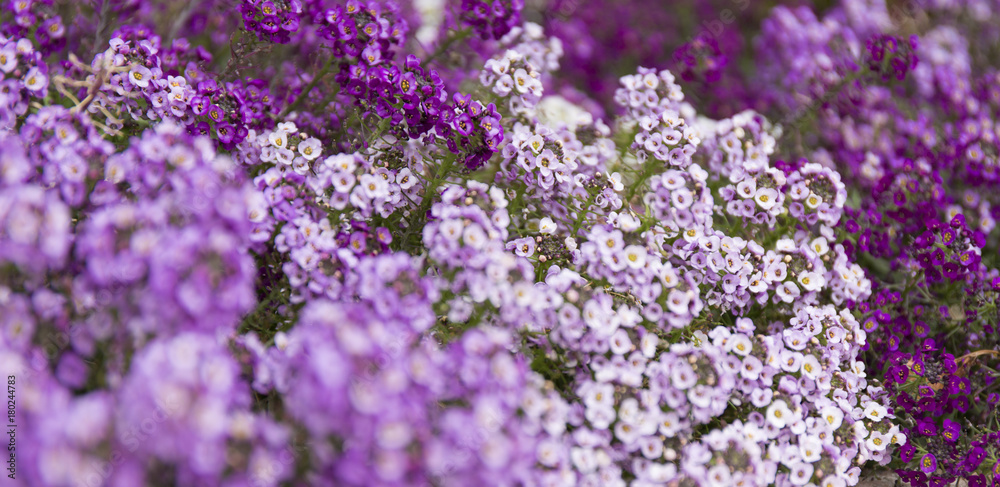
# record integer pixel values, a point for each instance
(928, 463)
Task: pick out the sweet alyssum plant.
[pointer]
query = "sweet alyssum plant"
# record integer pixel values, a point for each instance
(345, 257)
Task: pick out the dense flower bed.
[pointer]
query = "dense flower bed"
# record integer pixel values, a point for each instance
(559, 243)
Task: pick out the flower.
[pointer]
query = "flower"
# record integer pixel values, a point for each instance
(140, 76)
(778, 414)
(928, 463)
(875, 411)
(546, 226)
(951, 430)
(8, 57)
(310, 148)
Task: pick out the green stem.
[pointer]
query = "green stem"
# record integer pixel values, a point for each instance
(584, 209)
(305, 92)
(446, 45)
(647, 172)
(829, 95)
(440, 175)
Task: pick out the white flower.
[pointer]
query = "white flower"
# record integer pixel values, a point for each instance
(800, 473)
(536, 143)
(554, 110)
(35, 80)
(740, 344)
(374, 186)
(620, 343)
(522, 82)
(747, 188)
(278, 139)
(499, 66)
(647, 345)
(812, 281)
(810, 448)
(719, 475)
(140, 75)
(405, 179)
(833, 481)
(310, 148)
(583, 459)
(344, 162)
(876, 441)
(813, 201)
(895, 436)
(628, 223)
(616, 181)
(635, 256)
(751, 367)
(788, 291)
(811, 367)
(8, 58)
(833, 415)
(650, 81)
(474, 236)
(669, 277)
(504, 85)
(875, 411)
(599, 395)
(766, 198)
(820, 246)
(692, 136)
(570, 243)
(677, 302)
(778, 414)
(548, 452)
(343, 181)
(284, 156)
(546, 226)
(698, 173)
(287, 127)
(682, 198)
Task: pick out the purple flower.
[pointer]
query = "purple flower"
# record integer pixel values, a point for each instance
(951, 431)
(907, 451)
(927, 427)
(524, 247)
(215, 113)
(969, 258)
(928, 463)
(140, 76)
(900, 374)
(199, 105)
(225, 132)
(372, 55)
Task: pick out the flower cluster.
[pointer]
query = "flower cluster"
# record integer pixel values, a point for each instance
(493, 19)
(271, 21)
(516, 74)
(889, 57)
